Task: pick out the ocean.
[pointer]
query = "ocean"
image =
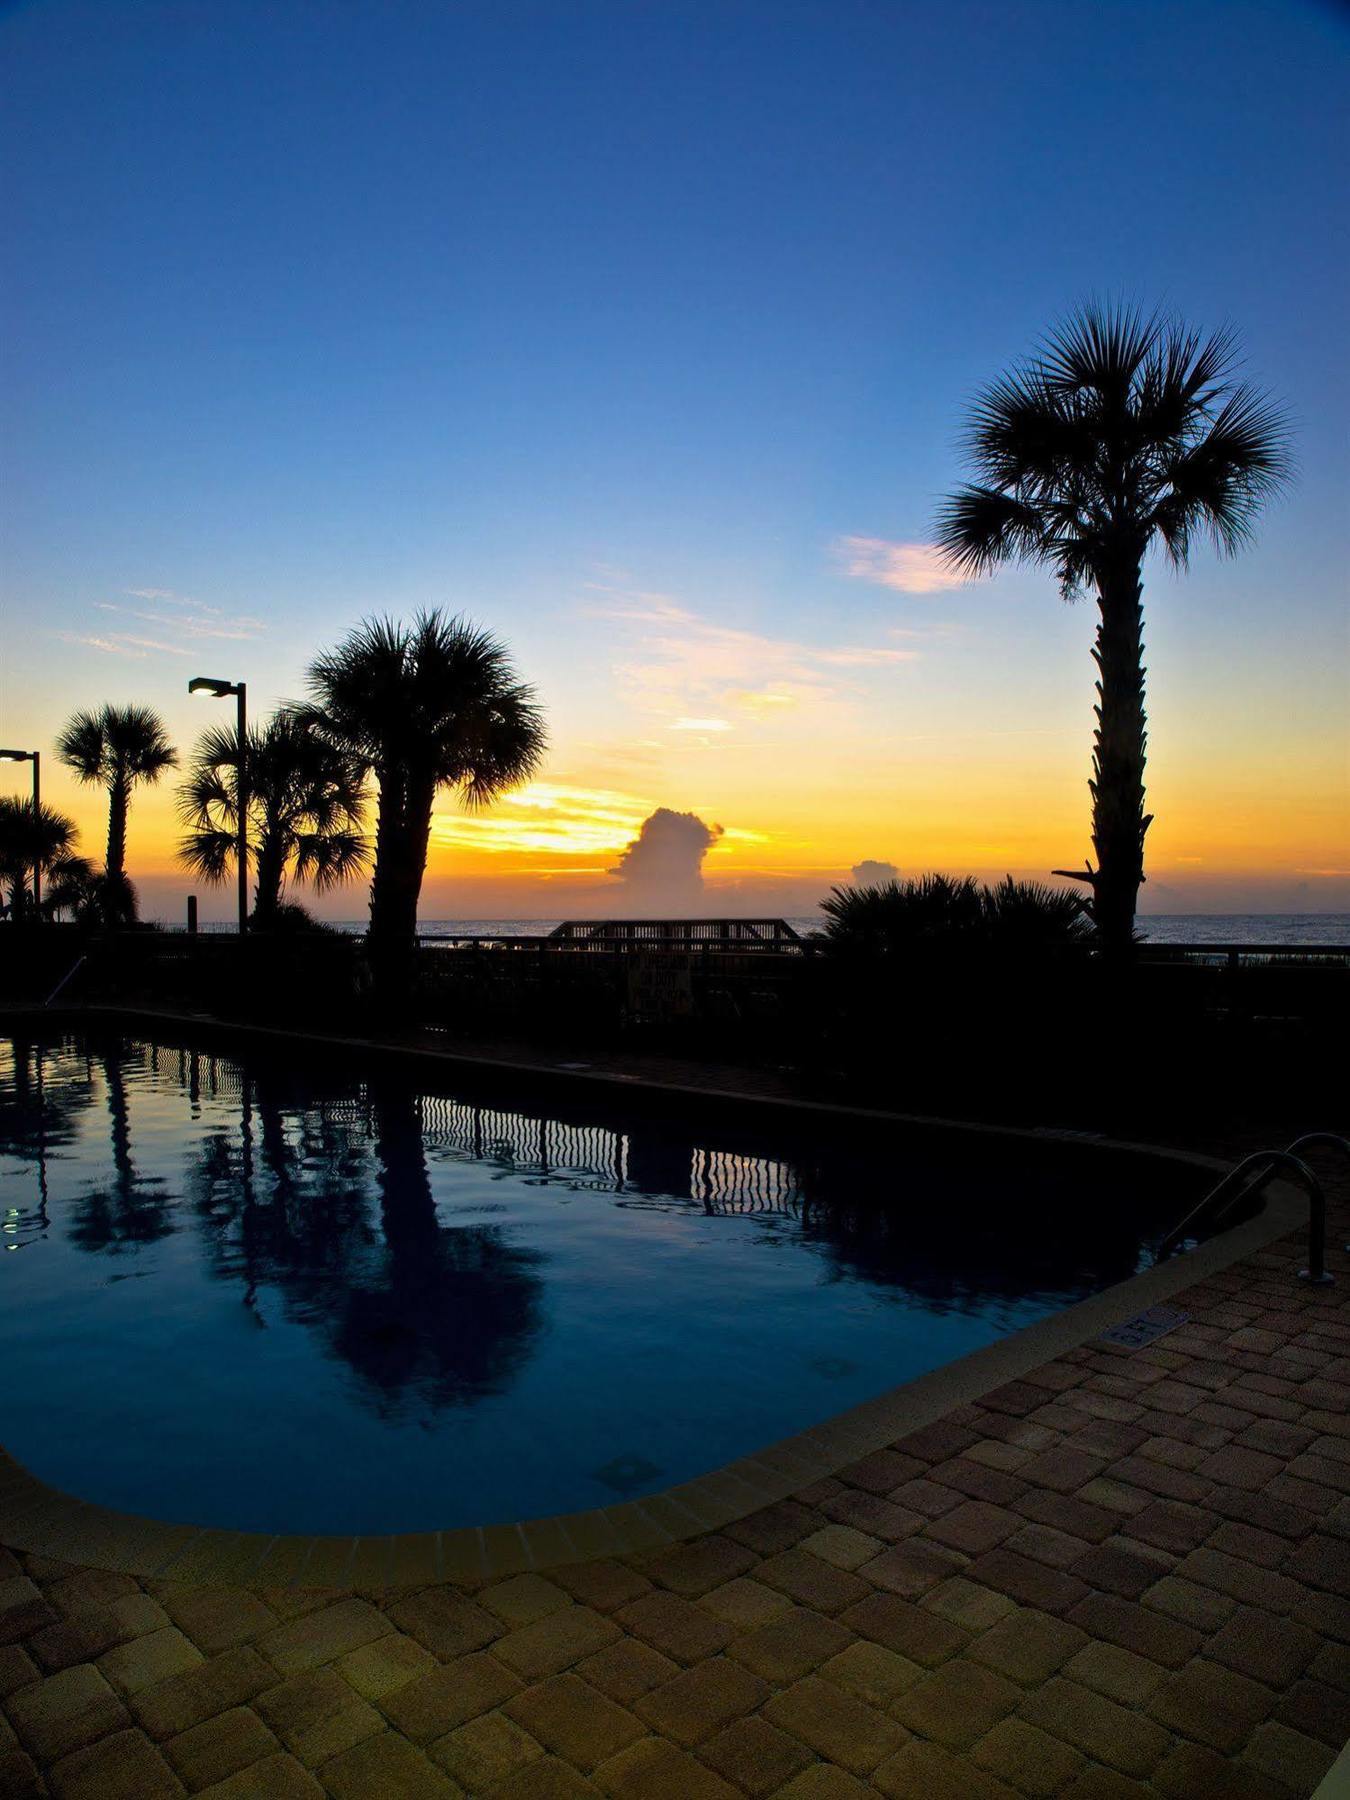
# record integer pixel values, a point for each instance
(1158, 928)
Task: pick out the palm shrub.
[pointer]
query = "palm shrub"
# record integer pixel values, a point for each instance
(1118, 435)
(29, 838)
(305, 799)
(117, 748)
(936, 914)
(421, 707)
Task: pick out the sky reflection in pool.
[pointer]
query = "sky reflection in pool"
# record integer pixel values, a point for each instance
(248, 1296)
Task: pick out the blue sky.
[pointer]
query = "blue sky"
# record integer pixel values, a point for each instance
(314, 310)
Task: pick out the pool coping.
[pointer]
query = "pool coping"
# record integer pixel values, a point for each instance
(39, 1519)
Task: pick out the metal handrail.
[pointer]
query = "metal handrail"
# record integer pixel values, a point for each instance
(69, 975)
(1245, 1179)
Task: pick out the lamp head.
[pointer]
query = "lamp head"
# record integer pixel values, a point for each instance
(17, 755)
(208, 684)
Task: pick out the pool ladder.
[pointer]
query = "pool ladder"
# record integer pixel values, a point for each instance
(1249, 1176)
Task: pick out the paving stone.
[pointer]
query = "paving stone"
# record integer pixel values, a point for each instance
(699, 1701)
(274, 1778)
(1236, 1467)
(1173, 1526)
(384, 1664)
(871, 1673)
(316, 1715)
(553, 1644)
(484, 1751)
(148, 1660)
(1114, 1735)
(1249, 1544)
(1245, 1582)
(17, 1669)
(1028, 1583)
(1200, 1607)
(219, 1748)
(1117, 1673)
(625, 1669)
(231, 1679)
(94, 1631)
(842, 1546)
(871, 1515)
(216, 1618)
(1216, 1706)
(1142, 1629)
(922, 1771)
(389, 1766)
(1318, 1709)
(910, 1568)
(321, 1637)
(811, 1582)
(1115, 1568)
(676, 1627)
(957, 1703)
(1028, 1646)
(1065, 1470)
(695, 1568)
(775, 1528)
(1029, 1759)
(927, 1499)
(22, 1609)
(574, 1720)
(756, 1756)
(1068, 1513)
(604, 1585)
(1288, 1756)
(1269, 1649)
(19, 1777)
(548, 1779)
(977, 1482)
(1042, 1543)
(1162, 1479)
(445, 1622)
(437, 1702)
(1195, 1772)
(791, 1645)
(523, 1599)
(65, 1712)
(80, 1590)
(974, 1526)
(125, 1766)
(745, 1603)
(648, 1770)
(909, 1630)
(968, 1604)
(1321, 1562)
(882, 1472)
(1096, 1783)
(835, 1724)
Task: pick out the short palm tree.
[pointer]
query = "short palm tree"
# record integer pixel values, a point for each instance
(423, 707)
(118, 748)
(1119, 434)
(44, 838)
(304, 811)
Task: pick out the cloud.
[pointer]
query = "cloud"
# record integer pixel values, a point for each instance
(704, 676)
(553, 816)
(869, 873)
(664, 863)
(908, 568)
(181, 623)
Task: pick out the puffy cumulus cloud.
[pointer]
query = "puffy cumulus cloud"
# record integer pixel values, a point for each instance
(908, 568)
(663, 865)
(870, 873)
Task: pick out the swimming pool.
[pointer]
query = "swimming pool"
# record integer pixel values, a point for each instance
(269, 1293)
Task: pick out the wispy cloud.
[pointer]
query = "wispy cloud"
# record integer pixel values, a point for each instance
(548, 816)
(908, 568)
(180, 623)
(704, 677)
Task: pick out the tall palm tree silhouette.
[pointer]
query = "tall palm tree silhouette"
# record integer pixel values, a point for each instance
(1119, 433)
(43, 838)
(304, 806)
(117, 748)
(422, 707)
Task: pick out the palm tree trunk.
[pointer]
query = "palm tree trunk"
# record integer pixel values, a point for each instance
(269, 871)
(393, 888)
(1118, 817)
(119, 797)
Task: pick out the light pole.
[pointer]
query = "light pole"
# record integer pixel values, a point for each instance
(220, 690)
(34, 757)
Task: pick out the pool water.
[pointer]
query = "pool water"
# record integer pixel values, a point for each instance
(250, 1293)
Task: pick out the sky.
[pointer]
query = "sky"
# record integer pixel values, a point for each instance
(642, 333)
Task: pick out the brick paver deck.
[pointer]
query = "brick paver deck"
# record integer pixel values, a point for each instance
(1125, 1575)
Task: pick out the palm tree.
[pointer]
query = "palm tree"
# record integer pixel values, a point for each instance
(73, 886)
(424, 707)
(1120, 433)
(304, 810)
(43, 838)
(117, 748)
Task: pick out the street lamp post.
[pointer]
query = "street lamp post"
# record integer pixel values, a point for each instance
(220, 690)
(34, 757)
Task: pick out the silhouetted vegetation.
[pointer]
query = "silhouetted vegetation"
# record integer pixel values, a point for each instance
(419, 708)
(117, 748)
(304, 813)
(28, 838)
(934, 912)
(1119, 433)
